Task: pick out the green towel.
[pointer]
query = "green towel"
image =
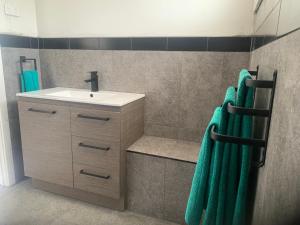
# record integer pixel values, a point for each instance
(216, 162)
(221, 176)
(29, 81)
(246, 129)
(222, 203)
(196, 201)
(232, 211)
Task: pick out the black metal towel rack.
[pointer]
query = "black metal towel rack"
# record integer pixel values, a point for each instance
(262, 143)
(23, 59)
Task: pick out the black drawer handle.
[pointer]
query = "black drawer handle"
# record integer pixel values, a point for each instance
(93, 147)
(41, 111)
(94, 175)
(93, 117)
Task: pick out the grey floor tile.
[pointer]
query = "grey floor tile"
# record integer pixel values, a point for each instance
(24, 205)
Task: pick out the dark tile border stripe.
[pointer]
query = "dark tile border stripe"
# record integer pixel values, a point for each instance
(259, 41)
(213, 44)
(222, 44)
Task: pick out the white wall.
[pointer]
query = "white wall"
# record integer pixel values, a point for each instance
(18, 17)
(120, 18)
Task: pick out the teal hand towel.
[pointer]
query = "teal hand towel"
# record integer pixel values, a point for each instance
(234, 162)
(221, 190)
(216, 162)
(239, 217)
(29, 81)
(196, 201)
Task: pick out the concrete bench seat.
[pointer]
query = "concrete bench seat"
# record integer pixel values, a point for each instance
(159, 176)
(167, 148)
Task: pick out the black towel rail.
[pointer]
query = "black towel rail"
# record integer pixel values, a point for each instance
(262, 143)
(23, 59)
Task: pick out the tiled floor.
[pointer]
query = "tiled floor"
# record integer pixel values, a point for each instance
(24, 205)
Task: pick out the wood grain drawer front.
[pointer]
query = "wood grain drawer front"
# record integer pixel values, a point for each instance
(43, 117)
(46, 142)
(97, 180)
(95, 123)
(96, 152)
(54, 170)
(47, 156)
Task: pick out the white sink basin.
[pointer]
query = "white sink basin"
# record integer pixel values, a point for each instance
(108, 98)
(83, 94)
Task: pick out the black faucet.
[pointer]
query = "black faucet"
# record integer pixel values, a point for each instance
(94, 81)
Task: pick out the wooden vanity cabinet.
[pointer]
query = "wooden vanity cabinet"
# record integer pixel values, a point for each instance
(79, 150)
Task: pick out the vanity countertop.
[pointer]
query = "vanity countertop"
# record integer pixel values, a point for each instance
(106, 98)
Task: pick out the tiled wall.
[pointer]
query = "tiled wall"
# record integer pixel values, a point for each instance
(182, 88)
(158, 187)
(11, 71)
(277, 199)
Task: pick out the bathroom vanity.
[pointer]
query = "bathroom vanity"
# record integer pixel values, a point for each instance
(74, 141)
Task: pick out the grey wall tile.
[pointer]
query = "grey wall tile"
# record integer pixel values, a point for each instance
(14, 126)
(277, 196)
(182, 88)
(11, 71)
(145, 184)
(158, 187)
(161, 131)
(200, 82)
(178, 180)
(69, 68)
(232, 64)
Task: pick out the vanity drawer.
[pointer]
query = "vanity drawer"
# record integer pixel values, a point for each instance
(95, 123)
(96, 152)
(97, 180)
(44, 117)
(46, 142)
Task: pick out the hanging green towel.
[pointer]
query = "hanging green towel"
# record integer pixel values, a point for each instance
(232, 211)
(239, 217)
(222, 202)
(216, 162)
(221, 176)
(29, 81)
(196, 201)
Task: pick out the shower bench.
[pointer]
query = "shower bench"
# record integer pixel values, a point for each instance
(159, 176)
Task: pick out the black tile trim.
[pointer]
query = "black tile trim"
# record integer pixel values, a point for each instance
(14, 41)
(152, 44)
(55, 43)
(187, 44)
(229, 44)
(84, 43)
(115, 44)
(214, 44)
(259, 41)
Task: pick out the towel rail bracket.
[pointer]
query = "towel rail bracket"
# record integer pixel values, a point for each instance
(23, 59)
(260, 143)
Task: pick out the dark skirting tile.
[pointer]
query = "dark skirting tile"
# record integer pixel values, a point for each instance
(84, 43)
(149, 43)
(34, 43)
(229, 44)
(269, 38)
(115, 43)
(187, 44)
(257, 42)
(56, 43)
(14, 41)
